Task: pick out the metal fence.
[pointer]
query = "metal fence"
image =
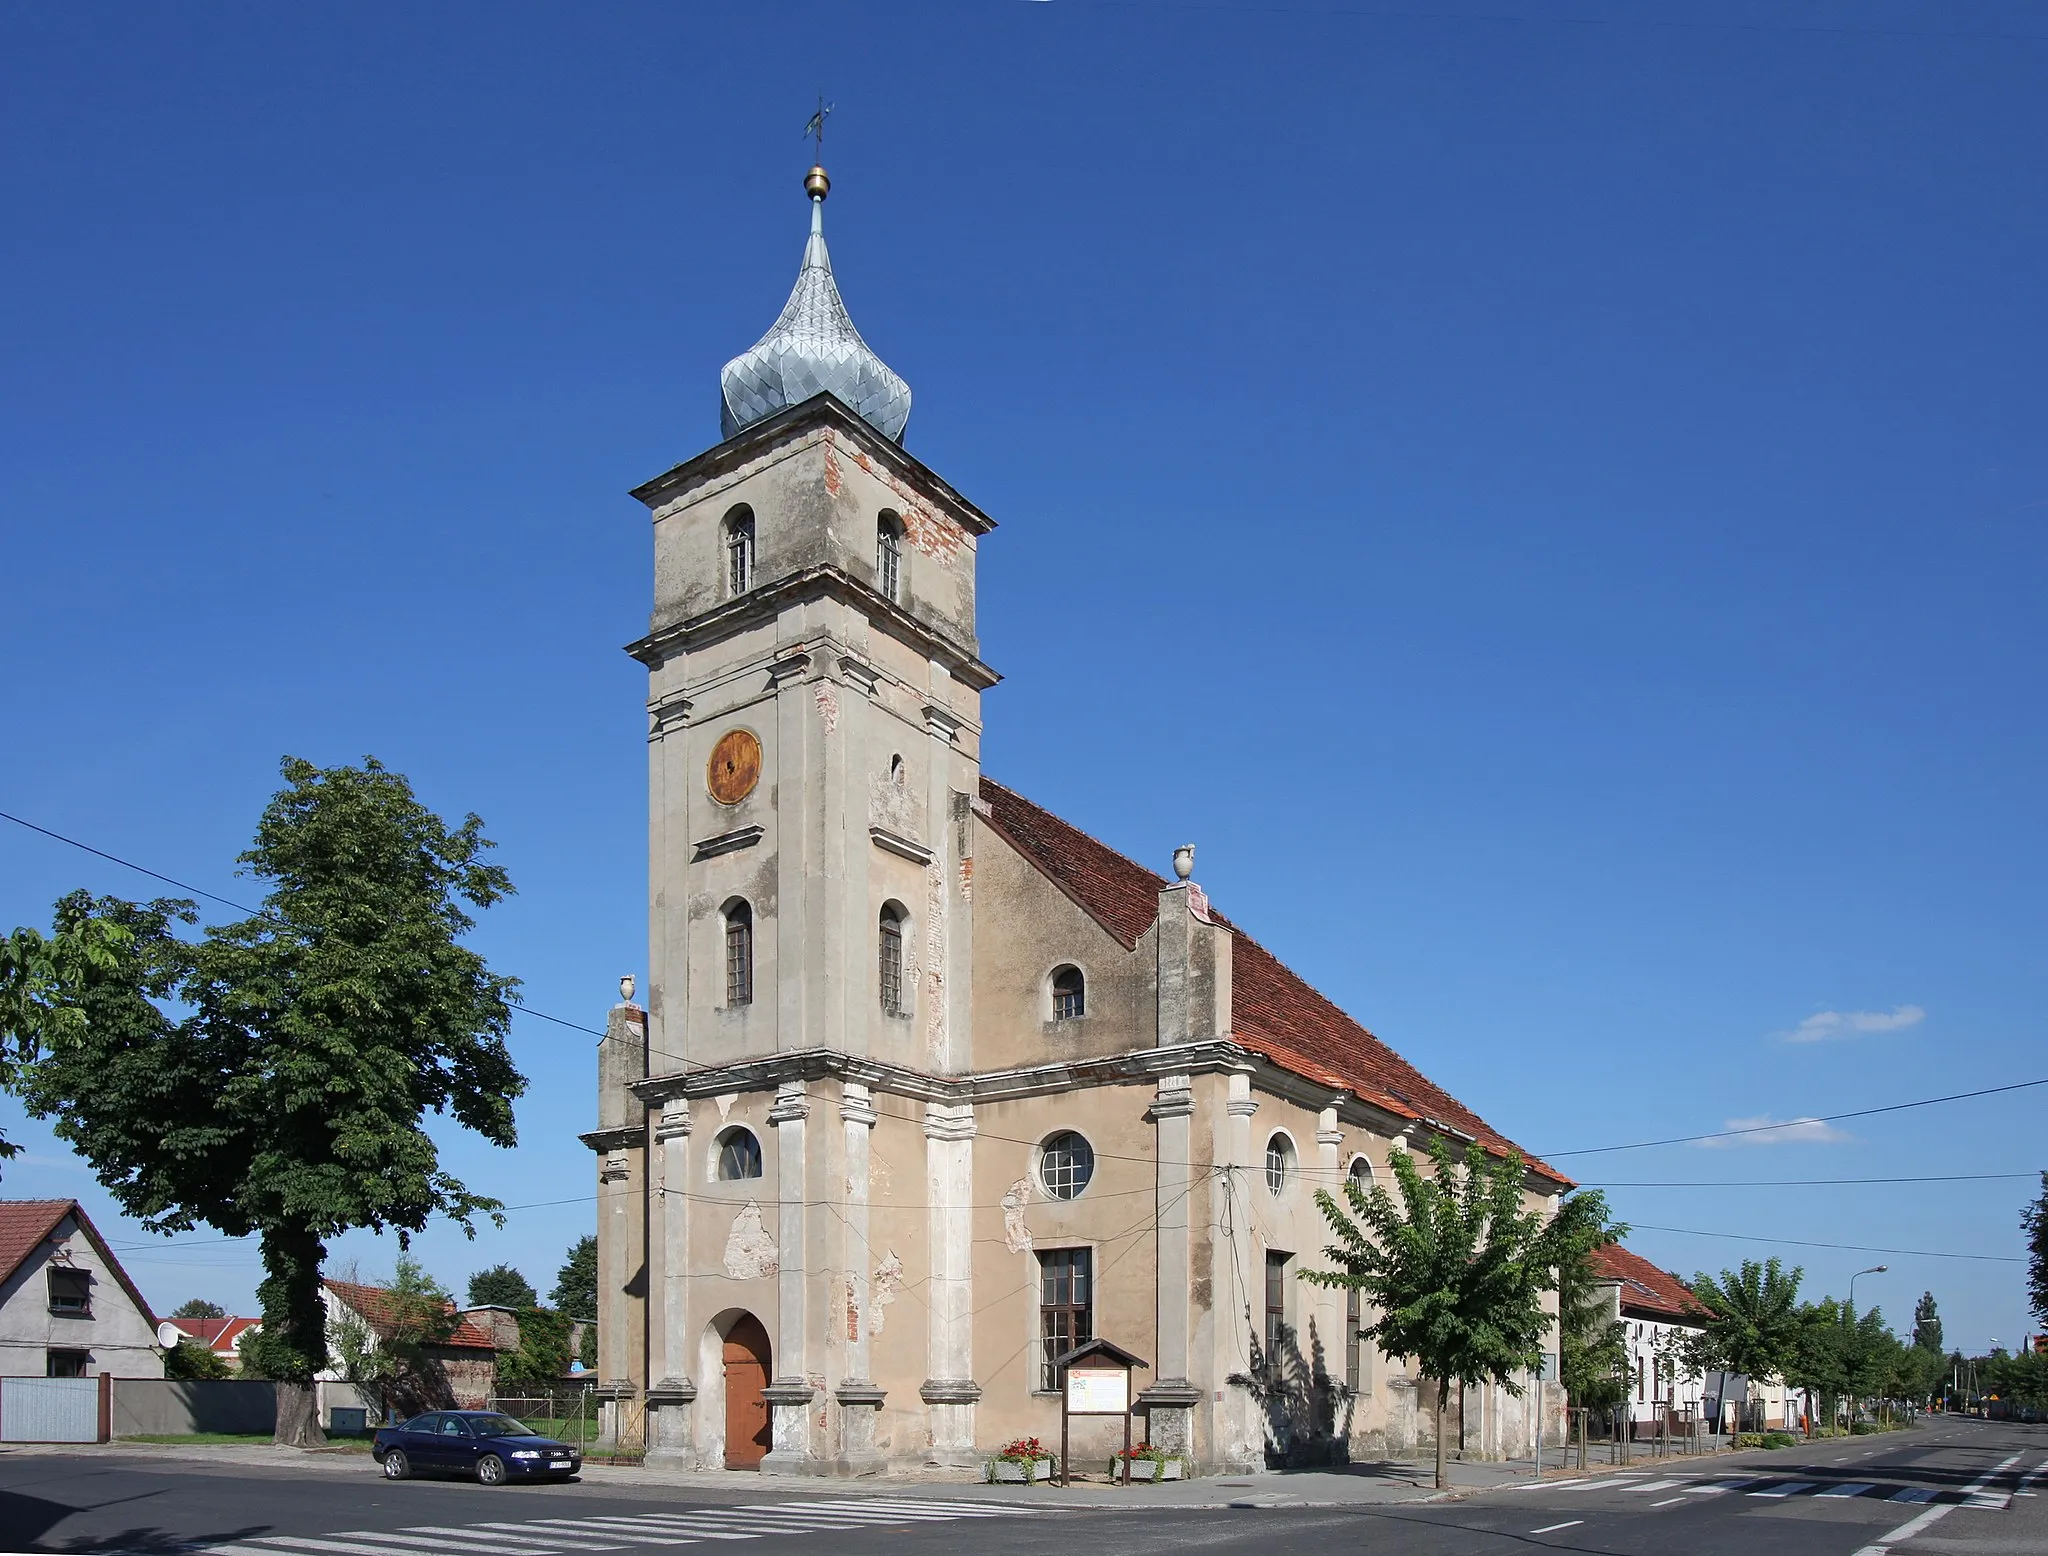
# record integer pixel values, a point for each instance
(605, 1430)
(52, 1410)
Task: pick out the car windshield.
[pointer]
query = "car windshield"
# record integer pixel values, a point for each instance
(500, 1426)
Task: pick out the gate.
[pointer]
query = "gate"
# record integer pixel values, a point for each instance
(49, 1410)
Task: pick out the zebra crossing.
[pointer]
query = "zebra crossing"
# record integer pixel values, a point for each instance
(619, 1531)
(1775, 1488)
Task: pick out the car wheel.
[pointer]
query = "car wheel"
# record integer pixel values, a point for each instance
(490, 1470)
(395, 1465)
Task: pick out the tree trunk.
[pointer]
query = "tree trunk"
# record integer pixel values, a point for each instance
(1441, 1385)
(294, 1335)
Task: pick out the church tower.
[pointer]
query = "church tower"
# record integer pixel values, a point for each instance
(813, 747)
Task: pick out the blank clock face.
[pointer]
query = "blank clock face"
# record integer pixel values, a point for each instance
(735, 766)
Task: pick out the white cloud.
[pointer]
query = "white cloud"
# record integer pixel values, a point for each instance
(1823, 1026)
(1765, 1130)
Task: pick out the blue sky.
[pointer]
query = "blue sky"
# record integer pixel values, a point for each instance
(1552, 502)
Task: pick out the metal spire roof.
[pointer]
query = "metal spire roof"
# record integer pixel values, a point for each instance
(813, 347)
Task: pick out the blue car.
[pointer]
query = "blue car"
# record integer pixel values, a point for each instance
(480, 1444)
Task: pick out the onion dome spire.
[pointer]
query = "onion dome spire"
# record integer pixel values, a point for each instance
(813, 347)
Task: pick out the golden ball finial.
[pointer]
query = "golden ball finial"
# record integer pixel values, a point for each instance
(816, 184)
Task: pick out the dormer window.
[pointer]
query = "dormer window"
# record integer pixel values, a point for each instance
(739, 552)
(889, 556)
(1069, 994)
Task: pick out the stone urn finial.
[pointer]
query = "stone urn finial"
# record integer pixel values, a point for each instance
(626, 989)
(1184, 860)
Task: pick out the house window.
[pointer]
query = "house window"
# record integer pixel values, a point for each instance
(1069, 994)
(1066, 1307)
(1065, 1165)
(739, 552)
(1354, 1362)
(70, 1295)
(1360, 1173)
(739, 954)
(1279, 1162)
(739, 1155)
(1276, 1305)
(67, 1364)
(890, 973)
(889, 555)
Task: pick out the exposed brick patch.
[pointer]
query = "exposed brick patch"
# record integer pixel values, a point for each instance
(828, 706)
(833, 480)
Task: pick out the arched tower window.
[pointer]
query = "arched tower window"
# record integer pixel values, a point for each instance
(739, 551)
(1069, 994)
(889, 555)
(890, 972)
(739, 953)
(739, 1155)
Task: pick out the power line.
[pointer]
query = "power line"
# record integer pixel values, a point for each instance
(1751, 1237)
(1794, 1123)
(241, 907)
(1800, 1183)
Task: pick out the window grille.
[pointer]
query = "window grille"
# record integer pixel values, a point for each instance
(1066, 1164)
(889, 557)
(739, 1156)
(739, 955)
(1066, 1307)
(71, 1293)
(891, 969)
(1276, 1306)
(739, 554)
(1279, 1162)
(1069, 994)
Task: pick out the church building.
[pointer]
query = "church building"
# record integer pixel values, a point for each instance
(931, 1084)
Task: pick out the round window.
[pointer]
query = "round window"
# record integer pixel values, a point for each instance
(1065, 1165)
(1279, 1162)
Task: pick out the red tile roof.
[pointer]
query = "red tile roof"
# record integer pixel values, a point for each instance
(1273, 1012)
(26, 1224)
(373, 1305)
(1645, 1289)
(217, 1334)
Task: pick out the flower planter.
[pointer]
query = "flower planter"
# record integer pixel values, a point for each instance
(1153, 1469)
(1009, 1471)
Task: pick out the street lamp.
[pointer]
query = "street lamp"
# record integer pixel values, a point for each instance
(1875, 1269)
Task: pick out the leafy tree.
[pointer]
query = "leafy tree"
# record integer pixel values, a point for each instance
(543, 1354)
(2034, 1219)
(575, 1290)
(393, 1362)
(1753, 1324)
(501, 1286)
(199, 1307)
(272, 1076)
(1457, 1274)
(189, 1360)
(36, 974)
(1592, 1339)
(1927, 1324)
(586, 1348)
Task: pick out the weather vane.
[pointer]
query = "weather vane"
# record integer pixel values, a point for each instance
(815, 129)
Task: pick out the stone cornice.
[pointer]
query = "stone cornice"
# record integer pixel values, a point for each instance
(623, 1138)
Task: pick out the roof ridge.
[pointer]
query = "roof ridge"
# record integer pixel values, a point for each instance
(991, 783)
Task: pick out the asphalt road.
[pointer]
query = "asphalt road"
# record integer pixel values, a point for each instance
(1956, 1488)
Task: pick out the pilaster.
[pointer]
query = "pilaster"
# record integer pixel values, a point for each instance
(672, 1398)
(790, 1393)
(859, 1400)
(950, 1392)
(1169, 1402)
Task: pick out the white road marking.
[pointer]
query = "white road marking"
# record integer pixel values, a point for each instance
(545, 1542)
(1569, 1523)
(1654, 1485)
(672, 1523)
(1913, 1494)
(1790, 1488)
(1912, 1526)
(1854, 1488)
(411, 1542)
(900, 1510)
(1668, 1502)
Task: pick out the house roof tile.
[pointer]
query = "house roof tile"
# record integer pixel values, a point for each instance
(1273, 1011)
(1646, 1289)
(374, 1306)
(26, 1224)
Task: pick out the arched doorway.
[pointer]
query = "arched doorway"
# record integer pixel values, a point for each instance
(746, 1413)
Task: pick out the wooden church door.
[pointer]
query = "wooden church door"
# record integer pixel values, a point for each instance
(746, 1413)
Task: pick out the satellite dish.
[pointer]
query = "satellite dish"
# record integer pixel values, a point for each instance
(169, 1335)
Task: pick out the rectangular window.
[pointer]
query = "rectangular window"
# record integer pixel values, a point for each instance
(739, 960)
(1276, 1305)
(891, 972)
(1066, 1307)
(71, 1293)
(889, 561)
(1354, 1362)
(66, 1364)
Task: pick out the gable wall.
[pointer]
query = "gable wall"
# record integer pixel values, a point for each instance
(118, 1335)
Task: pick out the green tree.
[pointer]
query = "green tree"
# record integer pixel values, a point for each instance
(272, 1077)
(1457, 1273)
(501, 1286)
(1752, 1325)
(1927, 1324)
(38, 974)
(575, 1292)
(543, 1354)
(2034, 1220)
(393, 1361)
(199, 1307)
(188, 1360)
(1592, 1339)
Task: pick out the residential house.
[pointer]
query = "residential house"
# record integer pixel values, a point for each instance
(67, 1308)
(222, 1336)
